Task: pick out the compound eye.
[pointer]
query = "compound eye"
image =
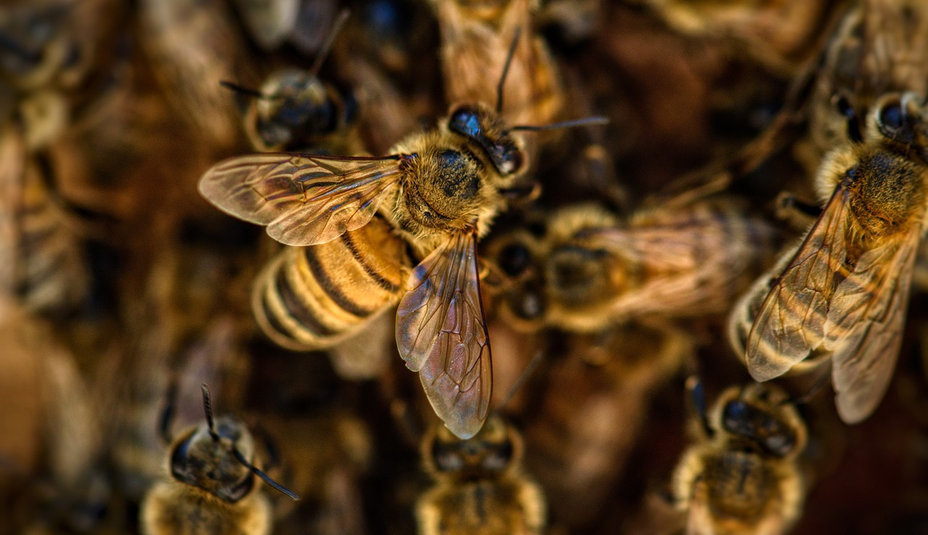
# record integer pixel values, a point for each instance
(464, 121)
(514, 259)
(892, 117)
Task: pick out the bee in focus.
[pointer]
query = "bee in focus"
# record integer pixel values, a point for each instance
(295, 110)
(589, 270)
(479, 484)
(843, 292)
(438, 191)
(212, 486)
(741, 474)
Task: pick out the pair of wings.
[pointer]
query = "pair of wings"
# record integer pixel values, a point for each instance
(440, 328)
(854, 310)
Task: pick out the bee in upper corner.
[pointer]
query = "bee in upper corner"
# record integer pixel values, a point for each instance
(842, 294)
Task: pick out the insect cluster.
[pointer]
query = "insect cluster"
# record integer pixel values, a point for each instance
(652, 266)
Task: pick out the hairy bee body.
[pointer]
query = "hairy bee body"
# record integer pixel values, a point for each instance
(741, 475)
(479, 485)
(594, 271)
(314, 297)
(171, 508)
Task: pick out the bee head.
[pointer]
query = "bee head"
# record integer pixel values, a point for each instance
(204, 458)
(900, 118)
(761, 416)
(481, 126)
(493, 450)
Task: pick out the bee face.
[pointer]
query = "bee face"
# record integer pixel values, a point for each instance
(199, 460)
(492, 451)
(481, 126)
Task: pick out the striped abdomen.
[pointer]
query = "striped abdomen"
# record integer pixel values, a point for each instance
(314, 297)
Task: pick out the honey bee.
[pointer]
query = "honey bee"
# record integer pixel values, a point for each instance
(843, 292)
(439, 191)
(479, 484)
(590, 271)
(475, 38)
(296, 110)
(741, 474)
(193, 45)
(211, 486)
(41, 260)
(777, 33)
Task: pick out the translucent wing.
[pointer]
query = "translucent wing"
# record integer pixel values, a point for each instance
(441, 333)
(303, 200)
(791, 321)
(865, 324)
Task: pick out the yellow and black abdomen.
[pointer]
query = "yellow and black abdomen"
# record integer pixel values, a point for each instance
(313, 297)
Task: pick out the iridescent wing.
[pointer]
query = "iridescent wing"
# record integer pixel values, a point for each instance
(441, 334)
(865, 324)
(303, 200)
(790, 324)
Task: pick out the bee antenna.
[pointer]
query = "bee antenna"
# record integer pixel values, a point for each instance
(523, 377)
(327, 45)
(697, 399)
(207, 408)
(266, 478)
(167, 414)
(242, 90)
(586, 121)
(502, 78)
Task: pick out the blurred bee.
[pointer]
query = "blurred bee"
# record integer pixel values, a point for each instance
(211, 486)
(41, 260)
(579, 443)
(295, 110)
(439, 191)
(871, 54)
(475, 38)
(777, 33)
(741, 474)
(843, 292)
(192, 46)
(479, 484)
(590, 271)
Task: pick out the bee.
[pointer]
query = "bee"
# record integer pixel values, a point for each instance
(193, 45)
(580, 443)
(589, 270)
(843, 292)
(295, 109)
(741, 474)
(479, 484)
(212, 487)
(475, 37)
(777, 33)
(438, 191)
(41, 259)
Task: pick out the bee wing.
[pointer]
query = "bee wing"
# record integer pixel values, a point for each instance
(441, 333)
(303, 200)
(791, 321)
(865, 324)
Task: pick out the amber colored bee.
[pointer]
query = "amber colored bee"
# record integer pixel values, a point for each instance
(741, 474)
(211, 486)
(843, 291)
(439, 191)
(589, 270)
(476, 38)
(41, 260)
(479, 484)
